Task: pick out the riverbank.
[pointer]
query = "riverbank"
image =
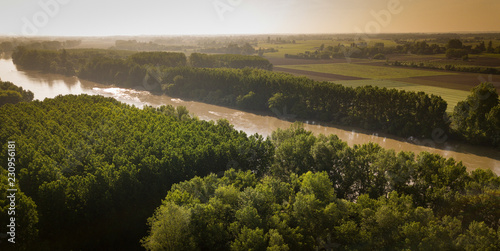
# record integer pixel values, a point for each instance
(45, 85)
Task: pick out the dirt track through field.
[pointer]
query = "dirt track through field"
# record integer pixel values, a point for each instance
(316, 75)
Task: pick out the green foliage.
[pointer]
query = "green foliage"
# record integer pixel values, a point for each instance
(448, 66)
(479, 237)
(10, 46)
(456, 53)
(432, 180)
(308, 99)
(25, 214)
(12, 94)
(170, 229)
(454, 44)
(245, 49)
(310, 217)
(276, 241)
(366, 198)
(10, 97)
(476, 119)
(379, 56)
(133, 45)
(228, 61)
(169, 59)
(86, 159)
(363, 50)
(249, 239)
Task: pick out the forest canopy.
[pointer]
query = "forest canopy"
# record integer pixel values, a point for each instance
(241, 211)
(320, 193)
(91, 170)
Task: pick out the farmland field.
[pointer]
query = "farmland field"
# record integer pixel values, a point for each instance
(301, 46)
(318, 76)
(452, 97)
(450, 85)
(366, 71)
(298, 47)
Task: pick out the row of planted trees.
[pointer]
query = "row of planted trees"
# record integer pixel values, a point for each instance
(389, 110)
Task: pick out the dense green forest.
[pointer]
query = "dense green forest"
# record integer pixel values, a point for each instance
(90, 170)
(12, 94)
(241, 211)
(320, 193)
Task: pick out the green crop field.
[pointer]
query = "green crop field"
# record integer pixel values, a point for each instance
(491, 55)
(443, 64)
(451, 96)
(301, 46)
(366, 71)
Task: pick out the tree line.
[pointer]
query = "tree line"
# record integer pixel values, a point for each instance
(76, 61)
(447, 67)
(231, 48)
(389, 110)
(228, 61)
(10, 45)
(360, 49)
(147, 46)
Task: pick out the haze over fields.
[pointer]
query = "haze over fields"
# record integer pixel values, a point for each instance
(166, 17)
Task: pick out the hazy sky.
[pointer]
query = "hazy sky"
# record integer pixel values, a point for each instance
(172, 17)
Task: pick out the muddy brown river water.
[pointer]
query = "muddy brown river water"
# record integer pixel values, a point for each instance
(51, 85)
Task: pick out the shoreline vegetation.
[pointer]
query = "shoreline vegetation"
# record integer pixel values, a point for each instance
(93, 171)
(245, 82)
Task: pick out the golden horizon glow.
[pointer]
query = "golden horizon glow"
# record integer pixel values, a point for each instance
(209, 17)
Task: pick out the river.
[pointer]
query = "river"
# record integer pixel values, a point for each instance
(51, 85)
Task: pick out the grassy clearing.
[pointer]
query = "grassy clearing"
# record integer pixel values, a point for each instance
(452, 97)
(366, 71)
